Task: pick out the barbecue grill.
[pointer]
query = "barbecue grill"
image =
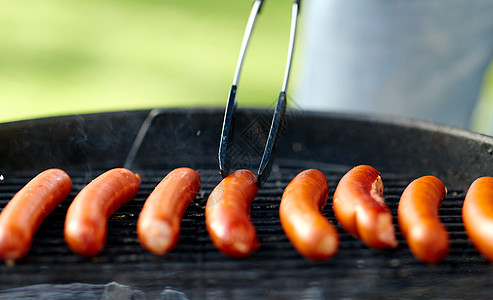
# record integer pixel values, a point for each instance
(401, 149)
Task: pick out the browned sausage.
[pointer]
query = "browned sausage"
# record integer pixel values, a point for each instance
(87, 216)
(25, 212)
(477, 216)
(227, 214)
(158, 226)
(300, 212)
(419, 222)
(361, 210)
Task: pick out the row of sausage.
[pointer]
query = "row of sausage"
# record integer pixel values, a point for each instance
(358, 206)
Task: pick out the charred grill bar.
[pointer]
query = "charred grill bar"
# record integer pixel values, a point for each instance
(87, 145)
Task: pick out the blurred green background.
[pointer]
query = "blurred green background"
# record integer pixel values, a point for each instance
(62, 57)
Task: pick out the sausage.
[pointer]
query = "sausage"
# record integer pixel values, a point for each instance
(418, 219)
(477, 216)
(360, 209)
(25, 212)
(87, 216)
(158, 226)
(300, 212)
(227, 214)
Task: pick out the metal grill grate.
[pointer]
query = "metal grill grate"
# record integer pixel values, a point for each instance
(276, 269)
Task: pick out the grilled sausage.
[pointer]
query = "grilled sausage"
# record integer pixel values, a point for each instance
(158, 226)
(477, 216)
(418, 219)
(25, 212)
(300, 212)
(361, 210)
(87, 216)
(227, 214)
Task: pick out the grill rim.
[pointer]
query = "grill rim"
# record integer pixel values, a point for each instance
(72, 142)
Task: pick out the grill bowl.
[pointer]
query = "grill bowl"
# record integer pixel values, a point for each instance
(87, 145)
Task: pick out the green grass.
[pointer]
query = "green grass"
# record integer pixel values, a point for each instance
(63, 57)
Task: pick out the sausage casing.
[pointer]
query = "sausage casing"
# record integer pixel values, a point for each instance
(361, 210)
(158, 226)
(25, 212)
(477, 216)
(87, 216)
(227, 214)
(419, 222)
(300, 212)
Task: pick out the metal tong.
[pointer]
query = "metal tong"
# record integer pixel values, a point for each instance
(265, 163)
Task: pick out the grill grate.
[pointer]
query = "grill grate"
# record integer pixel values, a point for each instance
(197, 269)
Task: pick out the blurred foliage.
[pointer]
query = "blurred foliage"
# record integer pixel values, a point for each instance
(62, 57)
(482, 119)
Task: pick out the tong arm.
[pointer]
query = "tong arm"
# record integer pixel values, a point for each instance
(279, 112)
